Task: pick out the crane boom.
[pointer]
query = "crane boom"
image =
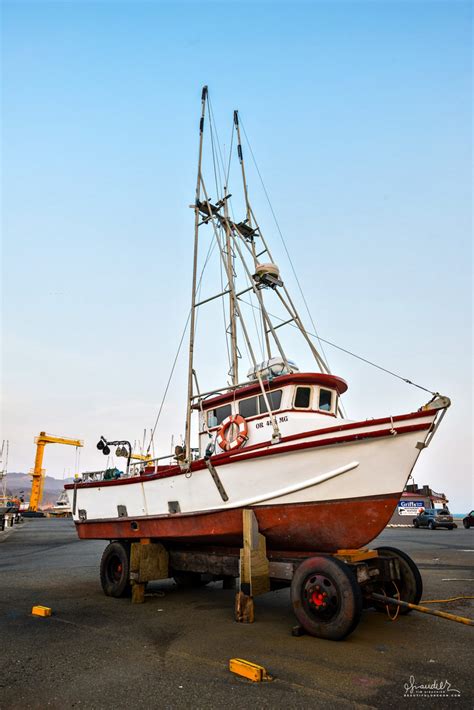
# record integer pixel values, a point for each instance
(38, 472)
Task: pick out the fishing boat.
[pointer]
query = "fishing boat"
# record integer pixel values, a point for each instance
(61, 508)
(279, 441)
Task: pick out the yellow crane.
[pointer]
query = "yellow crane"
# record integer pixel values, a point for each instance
(38, 473)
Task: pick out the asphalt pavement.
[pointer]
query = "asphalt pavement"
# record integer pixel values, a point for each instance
(173, 651)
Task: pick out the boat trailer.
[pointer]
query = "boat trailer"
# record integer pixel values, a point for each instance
(328, 591)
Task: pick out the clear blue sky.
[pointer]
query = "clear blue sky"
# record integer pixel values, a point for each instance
(359, 116)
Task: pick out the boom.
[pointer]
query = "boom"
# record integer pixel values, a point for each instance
(38, 473)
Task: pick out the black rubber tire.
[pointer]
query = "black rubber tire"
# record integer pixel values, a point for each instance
(190, 580)
(115, 570)
(450, 527)
(410, 585)
(466, 524)
(416, 524)
(431, 525)
(345, 597)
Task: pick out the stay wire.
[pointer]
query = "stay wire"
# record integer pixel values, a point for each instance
(216, 167)
(224, 319)
(218, 143)
(230, 156)
(152, 434)
(283, 240)
(349, 352)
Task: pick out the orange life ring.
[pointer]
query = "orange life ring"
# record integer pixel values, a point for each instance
(242, 437)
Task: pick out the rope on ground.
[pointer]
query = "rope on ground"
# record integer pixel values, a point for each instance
(443, 601)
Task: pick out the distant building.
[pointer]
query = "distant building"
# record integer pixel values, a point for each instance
(413, 498)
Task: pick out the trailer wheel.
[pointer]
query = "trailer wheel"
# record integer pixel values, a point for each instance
(410, 584)
(115, 570)
(326, 598)
(190, 580)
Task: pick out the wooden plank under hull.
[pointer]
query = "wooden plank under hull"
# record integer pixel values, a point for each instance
(326, 526)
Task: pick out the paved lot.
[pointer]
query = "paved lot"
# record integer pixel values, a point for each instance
(172, 651)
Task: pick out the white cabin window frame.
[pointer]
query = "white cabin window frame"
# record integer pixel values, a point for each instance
(333, 394)
(311, 396)
(259, 397)
(210, 413)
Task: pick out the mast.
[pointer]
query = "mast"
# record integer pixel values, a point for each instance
(249, 221)
(192, 325)
(231, 282)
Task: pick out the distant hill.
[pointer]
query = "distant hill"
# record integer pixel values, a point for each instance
(20, 484)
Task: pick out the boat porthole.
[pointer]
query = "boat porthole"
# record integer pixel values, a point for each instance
(134, 525)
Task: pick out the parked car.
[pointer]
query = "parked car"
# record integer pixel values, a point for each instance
(468, 520)
(433, 518)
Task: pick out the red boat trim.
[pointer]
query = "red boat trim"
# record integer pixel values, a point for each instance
(277, 413)
(341, 427)
(242, 454)
(246, 454)
(317, 378)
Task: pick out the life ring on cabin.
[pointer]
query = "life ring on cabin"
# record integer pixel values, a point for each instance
(241, 438)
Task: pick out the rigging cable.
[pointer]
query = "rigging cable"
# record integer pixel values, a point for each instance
(282, 239)
(217, 172)
(348, 352)
(230, 156)
(229, 361)
(152, 434)
(218, 143)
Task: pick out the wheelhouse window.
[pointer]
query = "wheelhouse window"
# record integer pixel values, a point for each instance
(217, 416)
(256, 405)
(303, 397)
(274, 400)
(325, 400)
(248, 407)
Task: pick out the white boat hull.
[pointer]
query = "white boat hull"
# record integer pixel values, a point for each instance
(372, 462)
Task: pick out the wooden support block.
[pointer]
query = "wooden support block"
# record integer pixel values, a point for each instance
(254, 569)
(254, 565)
(39, 610)
(244, 608)
(138, 593)
(356, 555)
(148, 561)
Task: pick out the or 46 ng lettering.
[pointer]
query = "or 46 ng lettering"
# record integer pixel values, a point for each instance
(280, 419)
(260, 425)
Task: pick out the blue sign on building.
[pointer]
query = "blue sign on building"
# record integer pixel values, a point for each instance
(410, 507)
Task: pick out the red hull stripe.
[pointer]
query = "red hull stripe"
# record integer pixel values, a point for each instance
(278, 413)
(325, 526)
(330, 430)
(244, 456)
(251, 453)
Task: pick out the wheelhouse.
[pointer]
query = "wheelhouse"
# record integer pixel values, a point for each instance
(298, 402)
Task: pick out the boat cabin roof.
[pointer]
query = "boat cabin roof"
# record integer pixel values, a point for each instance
(307, 378)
